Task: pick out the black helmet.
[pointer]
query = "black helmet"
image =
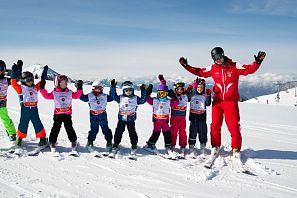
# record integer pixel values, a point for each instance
(179, 84)
(26, 77)
(217, 53)
(2, 65)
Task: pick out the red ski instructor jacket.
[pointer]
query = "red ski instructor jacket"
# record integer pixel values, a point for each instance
(225, 78)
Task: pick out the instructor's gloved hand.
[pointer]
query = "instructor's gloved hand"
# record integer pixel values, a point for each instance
(149, 89)
(260, 57)
(183, 61)
(113, 83)
(42, 84)
(79, 85)
(44, 73)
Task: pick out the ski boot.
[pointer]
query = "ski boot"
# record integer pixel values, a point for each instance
(182, 153)
(90, 146)
(74, 146)
(133, 152)
(18, 146)
(151, 148)
(12, 138)
(114, 151)
(43, 142)
(192, 153)
(202, 149)
(108, 147)
(236, 153)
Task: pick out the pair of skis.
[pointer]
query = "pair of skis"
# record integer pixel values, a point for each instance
(171, 154)
(235, 160)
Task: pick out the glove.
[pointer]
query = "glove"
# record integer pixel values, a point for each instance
(79, 85)
(183, 61)
(207, 92)
(113, 83)
(161, 77)
(42, 84)
(260, 57)
(14, 67)
(190, 88)
(171, 93)
(142, 87)
(44, 73)
(20, 63)
(149, 89)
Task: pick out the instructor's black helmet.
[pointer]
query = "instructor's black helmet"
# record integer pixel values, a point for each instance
(217, 53)
(26, 77)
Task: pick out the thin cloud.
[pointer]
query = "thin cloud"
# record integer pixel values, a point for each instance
(264, 7)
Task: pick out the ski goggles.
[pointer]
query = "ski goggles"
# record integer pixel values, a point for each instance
(29, 79)
(217, 56)
(2, 68)
(162, 93)
(128, 90)
(98, 88)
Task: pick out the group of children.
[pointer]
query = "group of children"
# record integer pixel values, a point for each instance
(169, 111)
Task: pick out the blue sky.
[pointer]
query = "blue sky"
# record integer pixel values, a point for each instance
(146, 37)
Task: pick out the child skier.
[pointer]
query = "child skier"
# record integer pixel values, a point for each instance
(128, 103)
(6, 120)
(28, 96)
(178, 116)
(225, 74)
(62, 97)
(199, 98)
(161, 112)
(97, 102)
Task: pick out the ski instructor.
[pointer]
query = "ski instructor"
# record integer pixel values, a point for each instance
(225, 74)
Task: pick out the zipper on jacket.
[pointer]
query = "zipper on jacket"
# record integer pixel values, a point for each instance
(223, 78)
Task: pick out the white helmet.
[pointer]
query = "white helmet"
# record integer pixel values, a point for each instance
(97, 83)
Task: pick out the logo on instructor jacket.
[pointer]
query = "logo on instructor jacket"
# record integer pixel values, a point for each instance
(229, 74)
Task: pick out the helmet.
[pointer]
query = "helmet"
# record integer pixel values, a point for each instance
(127, 84)
(2, 65)
(26, 77)
(60, 78)
(97, 83)
(217, 53)
(179, 84)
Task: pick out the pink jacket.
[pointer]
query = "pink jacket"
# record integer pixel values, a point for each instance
(50, 96)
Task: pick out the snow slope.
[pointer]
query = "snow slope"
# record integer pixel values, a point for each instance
(269, 149)
(286, 98)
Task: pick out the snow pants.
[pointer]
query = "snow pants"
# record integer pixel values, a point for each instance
(178, 128)
(58, 120)
(229, 110)
(96, 121)
(7, 122)
(120, 130)
(197, 126)
(161, 125)
(27, 114)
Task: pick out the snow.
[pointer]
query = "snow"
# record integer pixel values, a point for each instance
(285, 98)
(269, 150)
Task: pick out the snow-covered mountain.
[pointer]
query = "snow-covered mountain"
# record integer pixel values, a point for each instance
(36, 70)
(269, 151)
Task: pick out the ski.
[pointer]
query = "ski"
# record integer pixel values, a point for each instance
(214, 155)
(242, 167)
(74, 153)
(113, 153)
(156, 152)
(37, 150)
(93, 152)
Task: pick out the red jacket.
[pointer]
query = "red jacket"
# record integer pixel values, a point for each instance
(225, 77)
